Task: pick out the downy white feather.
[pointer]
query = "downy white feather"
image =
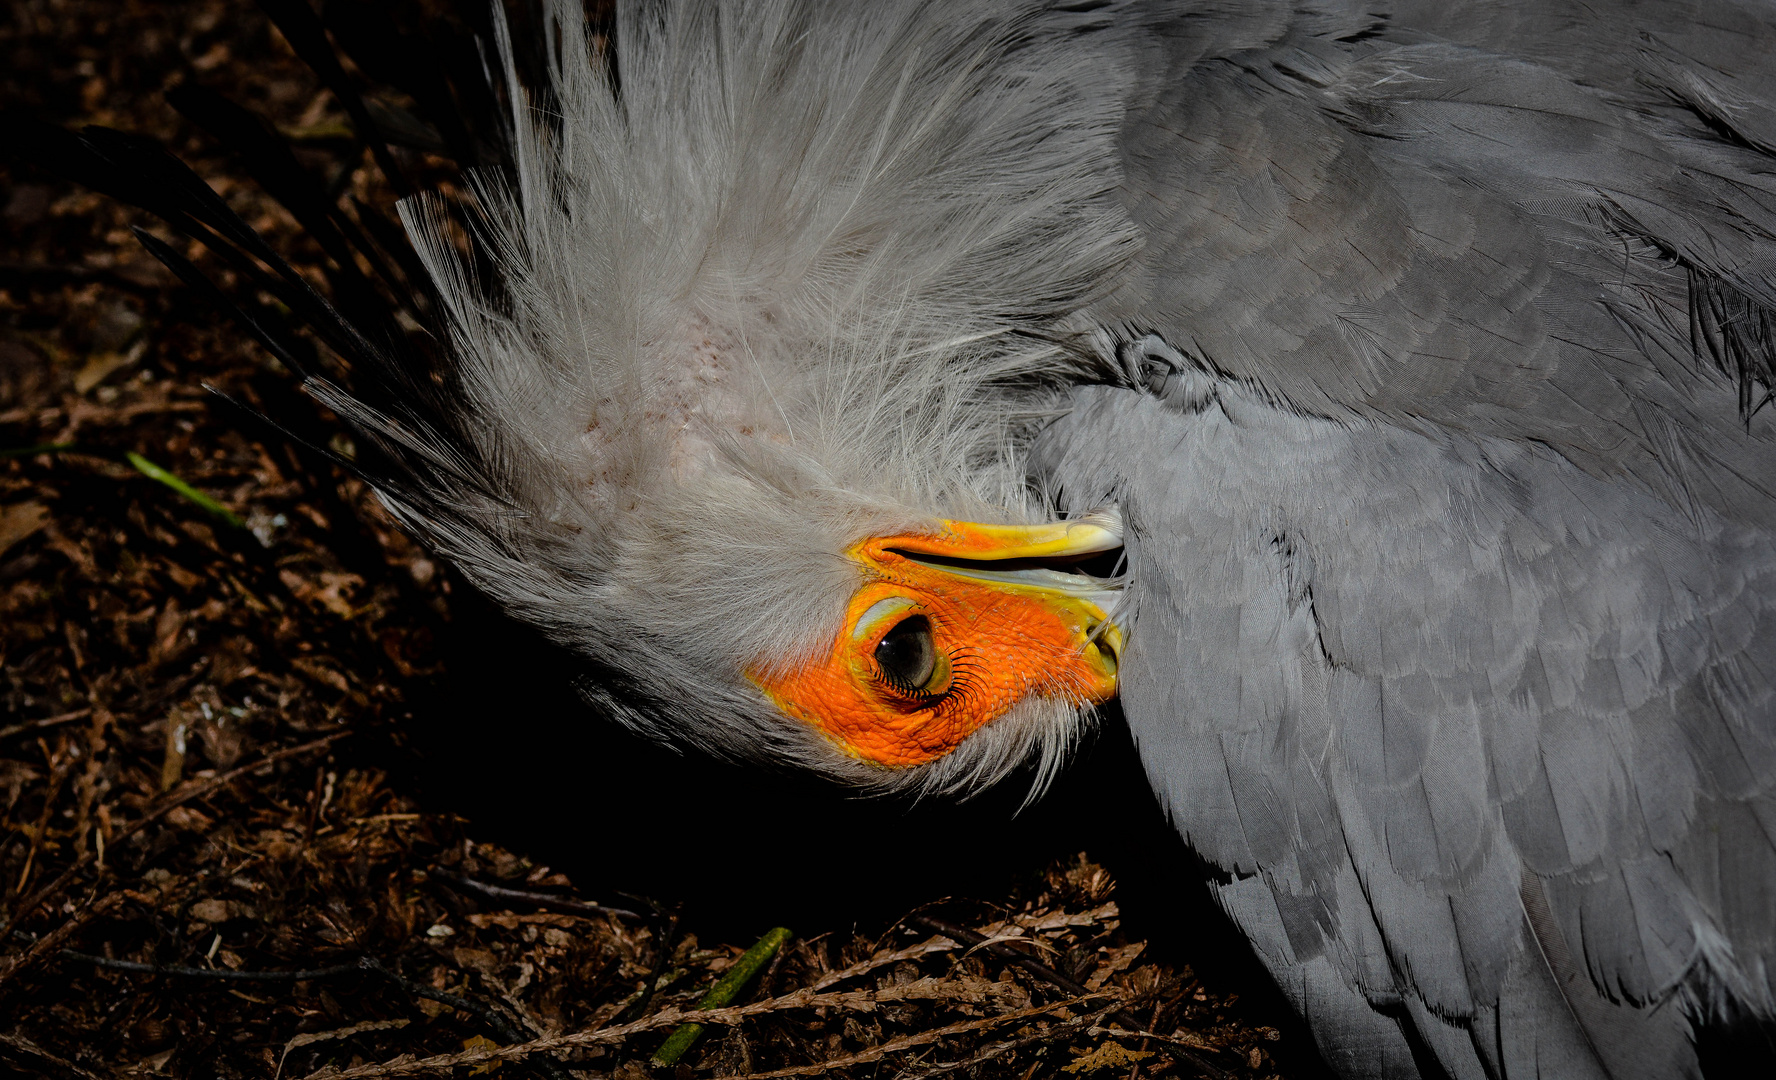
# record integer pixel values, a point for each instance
(774, 276)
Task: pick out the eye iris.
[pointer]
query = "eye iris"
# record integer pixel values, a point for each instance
(906, 655)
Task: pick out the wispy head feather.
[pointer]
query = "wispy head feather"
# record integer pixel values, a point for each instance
(774, 276)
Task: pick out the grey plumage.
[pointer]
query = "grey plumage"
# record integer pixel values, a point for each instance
(1451, 532)
(1423, 349)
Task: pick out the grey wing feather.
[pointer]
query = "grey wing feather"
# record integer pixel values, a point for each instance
(1456, 627)
(1385, 711)
(1426, 227)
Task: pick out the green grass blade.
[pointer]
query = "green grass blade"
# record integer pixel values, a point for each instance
(33, 451)
(186, 491)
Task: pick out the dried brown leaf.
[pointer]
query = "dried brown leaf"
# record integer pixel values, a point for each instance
(19, 521)
(309, 1038)
(1117, 960)
(1110, 1055)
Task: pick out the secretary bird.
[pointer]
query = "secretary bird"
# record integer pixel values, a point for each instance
(1370, 395)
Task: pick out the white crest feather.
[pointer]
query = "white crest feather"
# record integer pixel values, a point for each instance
(774, 276)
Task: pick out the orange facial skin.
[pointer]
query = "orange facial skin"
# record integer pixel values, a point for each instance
(996, 642)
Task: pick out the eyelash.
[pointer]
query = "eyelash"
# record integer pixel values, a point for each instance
(963, 664)
(918, 699)
(961, 688)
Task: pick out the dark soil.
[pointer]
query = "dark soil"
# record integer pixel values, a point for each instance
(295, 743)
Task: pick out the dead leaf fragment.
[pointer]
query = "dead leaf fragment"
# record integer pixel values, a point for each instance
(337, 1033)
(221, 911)
(332, 591)
(211, 911)
(482, 960)
(1193, 1040)
(482, 1042)
(1118, 960)
(21, 520)
(510, 921)
(1111, 1055)
(172, 761)
(321, 673)
(100, 366)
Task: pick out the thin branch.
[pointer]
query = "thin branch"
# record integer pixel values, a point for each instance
(10, 730)
(725, 990)
(936, 944)
(52, 941)
(1063, 1030)
(907, 1042)
(547, 901)
(1005, 952)
(667, 935)
(1194, 1043)
(800, 999)
(171, 802)
(497, 1023)
(500, 1026)
(1183, 1055)
(223, 974)
(39, 1057)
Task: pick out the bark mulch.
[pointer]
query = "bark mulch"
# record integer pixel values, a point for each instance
(220, 852)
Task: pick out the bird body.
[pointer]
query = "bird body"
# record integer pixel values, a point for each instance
(1414, 355)
(1415, 692)
(1448, 510)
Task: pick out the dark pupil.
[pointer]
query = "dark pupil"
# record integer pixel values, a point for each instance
(905, 654)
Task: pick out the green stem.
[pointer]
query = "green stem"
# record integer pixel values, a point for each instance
(33, 451)
(725, 990)
(142, 465)
(156, 473)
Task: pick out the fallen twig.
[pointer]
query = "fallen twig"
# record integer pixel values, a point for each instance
(17, 1043)
(863, 967)
(167, 805)
(52, 941)
(1176, 1051)
(726, 989)
(500, 1026)
(497, 1023)
(20, 728)
(799, 999)
(224, 974)
(564, 905)
(1005, 952)
(1057, 920)
(1195, 1042)
(666, 932)
(907, 1042)
(1055, 1033)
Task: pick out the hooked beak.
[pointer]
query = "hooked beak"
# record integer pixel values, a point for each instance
(1066, 566)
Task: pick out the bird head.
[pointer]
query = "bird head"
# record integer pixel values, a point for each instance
(741, 421)
(952, 629)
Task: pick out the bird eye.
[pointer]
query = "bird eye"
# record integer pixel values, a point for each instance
(906, 654)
